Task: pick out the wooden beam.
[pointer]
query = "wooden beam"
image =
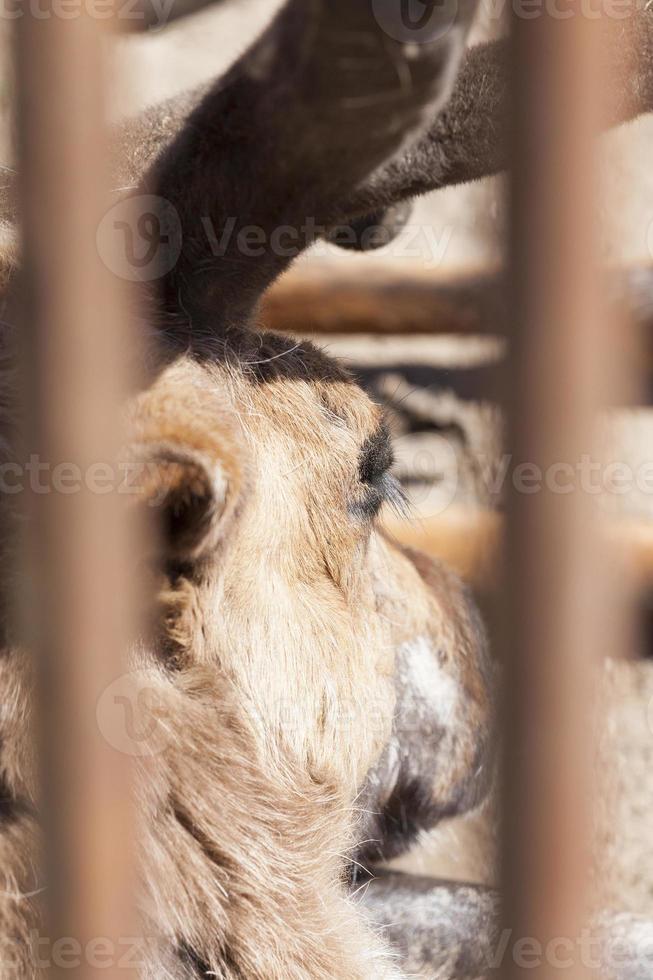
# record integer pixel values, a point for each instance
(471, 542)
(371, 297)
(323, 298)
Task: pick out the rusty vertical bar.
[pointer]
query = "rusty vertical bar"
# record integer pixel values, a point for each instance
(76, 338)
(559, 613)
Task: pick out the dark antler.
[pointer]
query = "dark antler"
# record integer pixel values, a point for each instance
(265, 162)
(464, 142)
(300, 132)
(303, 133)
(467, 140)
(288, 138)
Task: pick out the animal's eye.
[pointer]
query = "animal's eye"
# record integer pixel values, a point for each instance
(378, 486)
(376, 457)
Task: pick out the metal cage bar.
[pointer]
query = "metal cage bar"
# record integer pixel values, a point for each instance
(75, 330)
(562, 610)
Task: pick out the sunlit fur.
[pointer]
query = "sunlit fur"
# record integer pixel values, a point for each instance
(273, 667)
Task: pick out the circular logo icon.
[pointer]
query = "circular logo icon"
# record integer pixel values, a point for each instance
(132, 717)
(415, 21)
(139, 238)
(444, 460)
(429, 464)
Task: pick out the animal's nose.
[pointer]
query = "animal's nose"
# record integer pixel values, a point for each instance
(450, 680)
(439, 761)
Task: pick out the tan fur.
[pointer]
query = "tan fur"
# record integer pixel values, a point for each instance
(272, 668)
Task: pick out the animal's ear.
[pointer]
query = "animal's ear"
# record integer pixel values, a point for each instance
(190, 496)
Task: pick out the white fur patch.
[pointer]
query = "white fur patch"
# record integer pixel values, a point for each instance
(430, 681)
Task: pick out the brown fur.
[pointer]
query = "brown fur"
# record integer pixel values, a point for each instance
(272, 666)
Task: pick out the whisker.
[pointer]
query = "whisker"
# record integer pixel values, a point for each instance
(275, 357)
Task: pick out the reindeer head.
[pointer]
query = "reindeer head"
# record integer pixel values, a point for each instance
(350, 675)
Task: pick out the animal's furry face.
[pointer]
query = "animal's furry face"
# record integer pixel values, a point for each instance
(292, 725)
(272, 465)
(284, 463)
(281, 613)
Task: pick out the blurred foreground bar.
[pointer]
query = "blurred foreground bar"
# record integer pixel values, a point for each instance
(76, 336)
(563, 614)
